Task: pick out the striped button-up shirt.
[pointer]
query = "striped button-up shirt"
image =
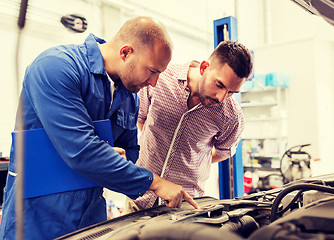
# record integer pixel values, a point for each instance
(176, 142)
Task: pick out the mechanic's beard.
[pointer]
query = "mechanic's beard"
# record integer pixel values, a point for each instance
(128, 77)
(130, 87)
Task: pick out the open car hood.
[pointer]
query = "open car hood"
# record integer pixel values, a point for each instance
(322, 8)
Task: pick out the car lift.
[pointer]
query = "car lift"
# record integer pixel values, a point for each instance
(231, 171)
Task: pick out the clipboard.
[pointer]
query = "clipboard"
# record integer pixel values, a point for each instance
(45, 172)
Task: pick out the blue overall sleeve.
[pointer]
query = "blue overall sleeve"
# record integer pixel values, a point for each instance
(53, 85)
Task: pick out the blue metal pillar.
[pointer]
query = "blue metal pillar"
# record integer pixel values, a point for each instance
(231, 171)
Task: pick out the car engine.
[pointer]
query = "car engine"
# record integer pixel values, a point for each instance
(303, 209)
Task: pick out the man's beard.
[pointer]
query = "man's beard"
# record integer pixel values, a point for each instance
(128, 77)
(205, 100)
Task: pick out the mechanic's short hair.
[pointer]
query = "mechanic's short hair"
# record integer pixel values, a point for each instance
(144, 31)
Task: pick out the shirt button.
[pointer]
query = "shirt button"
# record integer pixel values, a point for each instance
(150, 179)
(139, 194)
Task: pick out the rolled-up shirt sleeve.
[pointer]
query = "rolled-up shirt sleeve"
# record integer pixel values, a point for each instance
(226, 142)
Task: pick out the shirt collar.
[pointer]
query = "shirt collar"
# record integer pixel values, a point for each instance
(95, 58)
(182, 76)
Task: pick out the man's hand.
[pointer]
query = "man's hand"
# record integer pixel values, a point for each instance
(172, 193)
(120, 151)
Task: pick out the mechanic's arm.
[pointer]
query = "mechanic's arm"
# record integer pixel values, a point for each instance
(172, 193)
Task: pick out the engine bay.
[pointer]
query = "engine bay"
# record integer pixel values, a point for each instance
(303, 209)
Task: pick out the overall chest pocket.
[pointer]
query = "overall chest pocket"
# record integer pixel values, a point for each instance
(126, 120)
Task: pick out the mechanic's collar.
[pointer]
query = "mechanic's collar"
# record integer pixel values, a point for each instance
(96, 63)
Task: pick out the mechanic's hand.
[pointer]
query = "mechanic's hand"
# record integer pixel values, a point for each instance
(120, 151)
(172, 193)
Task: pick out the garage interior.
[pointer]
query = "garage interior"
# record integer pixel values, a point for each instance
(288, 103)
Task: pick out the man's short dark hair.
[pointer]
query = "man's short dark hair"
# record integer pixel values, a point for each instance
(236, 55)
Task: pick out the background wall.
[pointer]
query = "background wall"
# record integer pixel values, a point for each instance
(287, 39)
(284, 38)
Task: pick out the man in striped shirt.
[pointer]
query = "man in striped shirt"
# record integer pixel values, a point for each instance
(191, 119)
